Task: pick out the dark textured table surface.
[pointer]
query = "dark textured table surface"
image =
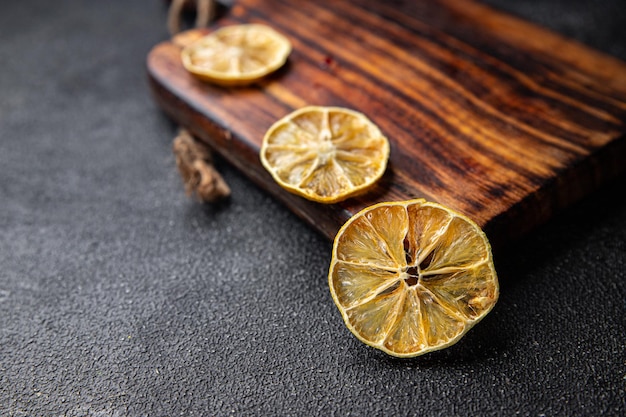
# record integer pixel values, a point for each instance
(119, 296)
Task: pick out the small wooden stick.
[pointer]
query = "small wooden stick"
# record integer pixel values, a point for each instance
(195, 164)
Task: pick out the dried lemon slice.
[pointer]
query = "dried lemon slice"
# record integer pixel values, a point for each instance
(411, 277)
(236, 54)
(325, 154)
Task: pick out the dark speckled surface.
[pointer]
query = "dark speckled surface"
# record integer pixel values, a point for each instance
(120, 297)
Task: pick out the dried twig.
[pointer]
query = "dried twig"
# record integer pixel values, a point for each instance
(195, 165)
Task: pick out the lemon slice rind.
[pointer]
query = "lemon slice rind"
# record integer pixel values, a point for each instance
(212, 45)
(370, 153)
(463, 323)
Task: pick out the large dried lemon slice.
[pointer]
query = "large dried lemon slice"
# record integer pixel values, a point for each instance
(237, 54)
(411, 277)
(325, 154)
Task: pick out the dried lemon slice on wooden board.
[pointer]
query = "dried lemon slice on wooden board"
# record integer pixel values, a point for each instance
(411, 277)
(325, 154)
(236, 54)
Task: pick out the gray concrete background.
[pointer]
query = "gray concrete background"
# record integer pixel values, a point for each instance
(121, 297)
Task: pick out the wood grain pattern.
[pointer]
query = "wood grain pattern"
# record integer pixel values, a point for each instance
(495, 117)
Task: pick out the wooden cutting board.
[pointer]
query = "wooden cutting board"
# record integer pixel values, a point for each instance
(488, 114)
